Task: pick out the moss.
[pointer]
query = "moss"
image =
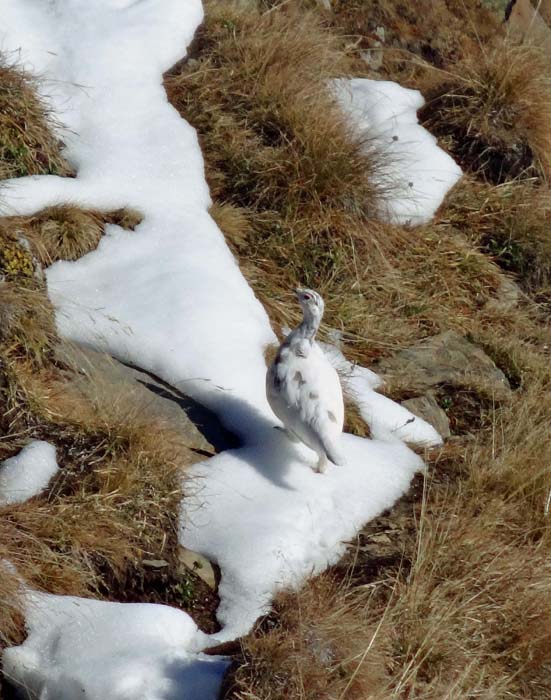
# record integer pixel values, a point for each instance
(15, 260)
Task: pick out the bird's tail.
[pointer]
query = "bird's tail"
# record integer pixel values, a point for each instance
(333, 453)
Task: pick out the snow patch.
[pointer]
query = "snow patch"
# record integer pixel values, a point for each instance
(170, 298)
(81, 648)
(386, 419)
(417, 172)
(269, 520)
(28, 473)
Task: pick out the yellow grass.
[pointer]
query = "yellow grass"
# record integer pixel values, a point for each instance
(27, 144)
(461, 613)
(461, 609)
(494, 111)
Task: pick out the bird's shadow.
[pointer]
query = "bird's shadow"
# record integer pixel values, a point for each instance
(270, 452)
(205, 420)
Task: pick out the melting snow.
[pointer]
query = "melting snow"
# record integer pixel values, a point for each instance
(417, 172)
(28, 473)
(171, 299)
(386, 419)
(81, 648)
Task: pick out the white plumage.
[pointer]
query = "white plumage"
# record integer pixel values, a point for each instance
(304, 390)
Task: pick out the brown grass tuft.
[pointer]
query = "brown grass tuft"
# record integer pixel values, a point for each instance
(494, 112)
(233, 221)
(313, 647)
(27, 144)
(27, 325)
(65, 232)
(256, 90)
(115, 499)
(415, 37)
(510, 222)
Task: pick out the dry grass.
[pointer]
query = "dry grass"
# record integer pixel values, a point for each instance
(27, 144)
(509, 222)
(416, 36)
(494, 112)
(470, 619)
(461, 611)
(115, 499)
(256, 90)
(64, 232)
(313, 227)
(313, 647)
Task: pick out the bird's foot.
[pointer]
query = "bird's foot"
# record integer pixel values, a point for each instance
(322, 464)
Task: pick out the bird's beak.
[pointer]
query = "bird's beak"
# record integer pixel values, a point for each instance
(298, 292)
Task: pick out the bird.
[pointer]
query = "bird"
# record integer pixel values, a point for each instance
(303, 389)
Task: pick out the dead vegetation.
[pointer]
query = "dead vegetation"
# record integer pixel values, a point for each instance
(64, 232)
(494, 112)
(316, 644)
(114, 500)
(459, 609)
(27, 144)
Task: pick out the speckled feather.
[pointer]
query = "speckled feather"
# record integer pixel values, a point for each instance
(304, 390)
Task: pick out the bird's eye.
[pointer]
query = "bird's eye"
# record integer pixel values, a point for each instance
(307, 297)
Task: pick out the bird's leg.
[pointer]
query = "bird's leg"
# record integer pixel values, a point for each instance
(322, 463)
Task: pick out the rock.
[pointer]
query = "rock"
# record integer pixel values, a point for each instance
(200, 427)
(155, 563)
(200, 566)
(447, 358)
(374, 56)
(426, 407)
(526, 22)
(544, 8)
(507, 295)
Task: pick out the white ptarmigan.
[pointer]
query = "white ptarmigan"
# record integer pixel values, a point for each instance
(304, 390)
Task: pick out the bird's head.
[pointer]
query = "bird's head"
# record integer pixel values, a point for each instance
(311, 304)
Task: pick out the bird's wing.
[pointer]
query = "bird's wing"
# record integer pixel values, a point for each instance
(307, 397)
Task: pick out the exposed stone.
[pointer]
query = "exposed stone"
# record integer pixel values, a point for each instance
(526, 22)
(426, 407)
(200, 427)
(447, 358)
(507, 295)
(155, 563)
(374, 56)
(544, 8)
(199, 565)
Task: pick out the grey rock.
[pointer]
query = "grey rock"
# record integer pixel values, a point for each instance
(155, 563)
(200, 566)
(381, 33)
(373, 57)
(447, 358)
(200, 428)
(508, 295)
(426, 407)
